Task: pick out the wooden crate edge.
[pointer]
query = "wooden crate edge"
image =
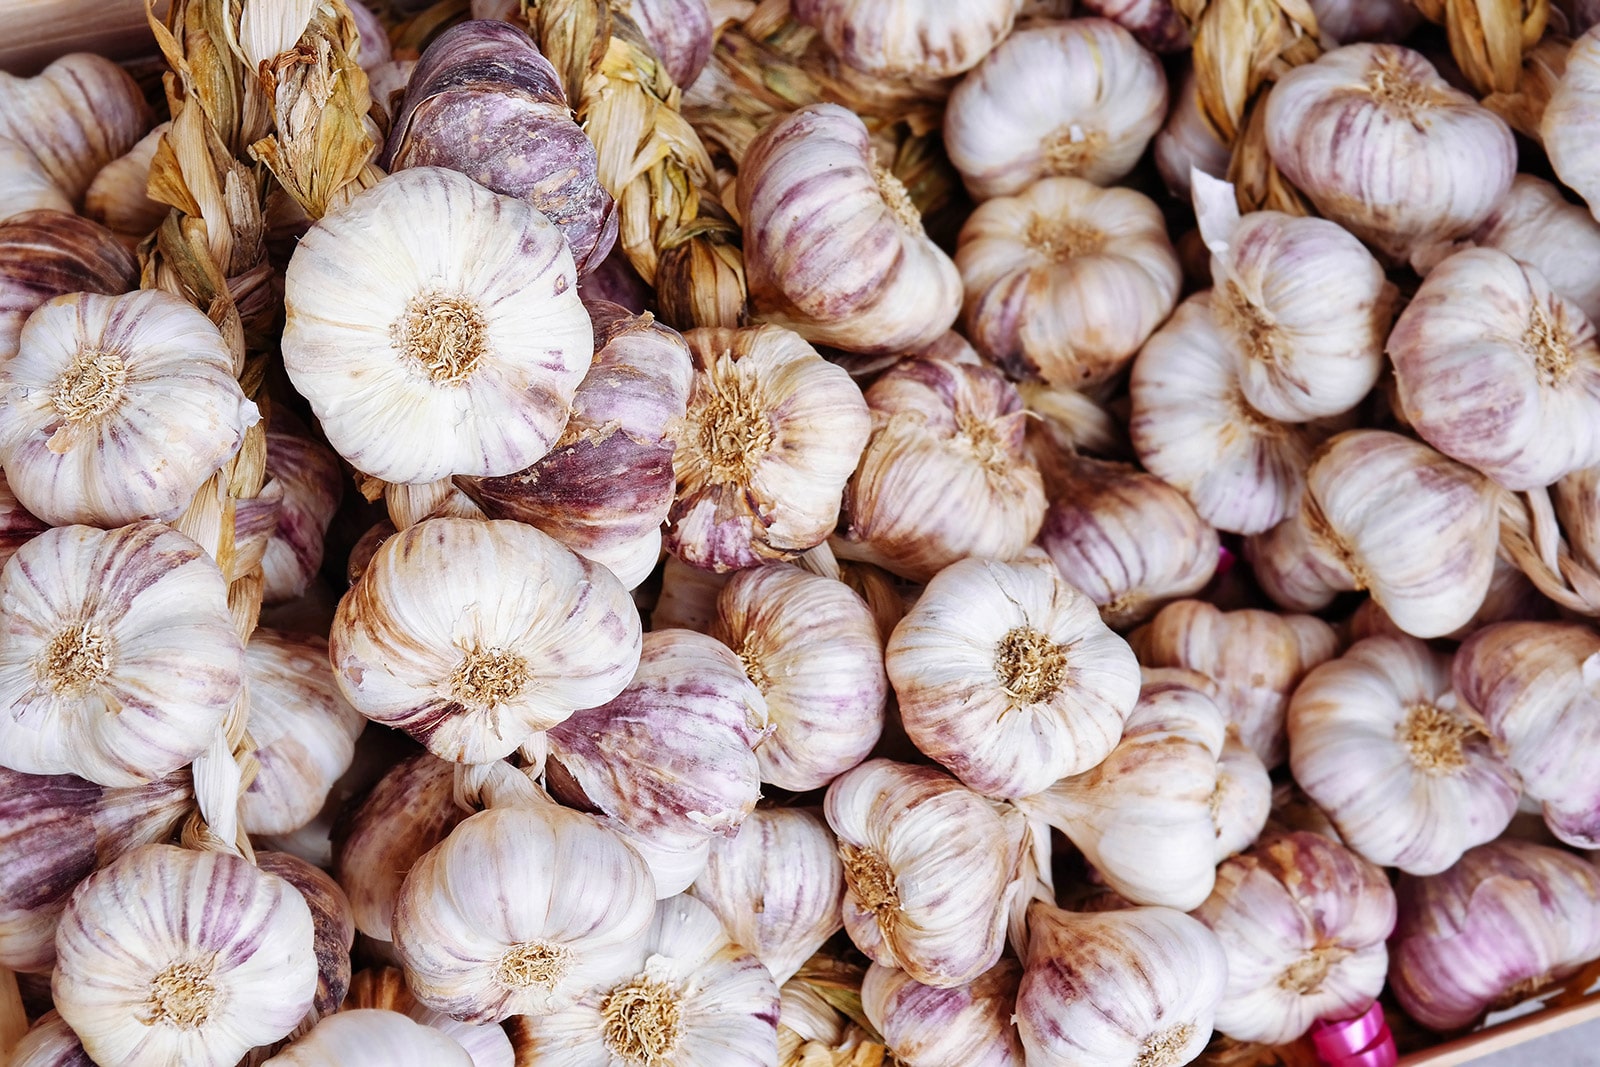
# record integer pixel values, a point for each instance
(1506, 1035)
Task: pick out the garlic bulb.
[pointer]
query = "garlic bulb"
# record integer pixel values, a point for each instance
(1256, 659)
(312, 487)
(50, 1042)
(670, 760)
(1289, 570)
(942, 432)
(1079, 98)
(376, 843)
(484, 102)
(927, 866)
(75, 116)
(1306, 350)
(1187, 141)
(968, 1026)
(333, 926)
(1418, 531)
(1428, 164)
(834, 245)
(1497, 370)
(1132, 988)
(1537, 225)
(1241, 803)
(1507, 920)
(55, 830)
(372, 40)
(24, 183)
(1126, 538)
(46, 254)
(370, 1037)
(811, 645)
(1302, 921)
(118, 198)
(1156, 23)
(688, 599)
(17, 526)
(473, 636)
(1567, 128)
(409, 504)
(491, 922)
(1348, 21)
(909, 38)
(1193, 428)
(682, 34)
(1577, 504)
(607, 485)
(172, 956)
(1005, 674)
(436, 329)
(118, 657)
(772, 433)
(385, 989)
(1537, 687)
(1066, 280)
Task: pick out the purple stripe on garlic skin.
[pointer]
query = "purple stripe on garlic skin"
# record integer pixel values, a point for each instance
(680, 31)
(313, 485)
(910, 38)
(77, 115)
(1156, 23)
(46, 254)
(970, 1025)
(50, 1042)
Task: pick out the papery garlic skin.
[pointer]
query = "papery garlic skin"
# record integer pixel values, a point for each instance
(1348, 21)
(24, 183)
(332, 924)
(1066, 280)
(435, 328)
(50, 1042)
(1288, 569)
(148, 973)
(472, 636)
(313, 485)
(1122, 988)
(909, 38)
(371, 1036)
(834, 245)
(1567, 128)
(385, 989)
(811, 645)
(118, 408)
(1005, 674)
(17, 525)
(1302, 921)
(1430, 162)
(969, 1026)
(118, 197)
(46, 254)
(1187, 141)
(1536, 224)
(75, 116)
(118, 656)
(1078, 98)
(927, 867)
(1497, 370)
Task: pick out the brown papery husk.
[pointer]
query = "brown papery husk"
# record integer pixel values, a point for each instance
(1488, 38)
(1531, 539)
(1258, 184)
(1542, 67)
(1241, 44)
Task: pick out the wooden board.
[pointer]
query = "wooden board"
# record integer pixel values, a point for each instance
(37, 31)
(1506, 1035)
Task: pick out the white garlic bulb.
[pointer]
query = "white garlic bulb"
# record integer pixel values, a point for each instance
(1079, 98)
(910, 38)
(690, 997)
(968, 1026)
(1306, 349)
(24, 183)
(1187, 141)
(368, 1036)
(1536, 224)
(1288, 569)
(1065, 280)
(491, 922)
(927, 865)
(312, 486)
(1567, 128)
(811, 645)
(776, 886)
(1241, 803)
(1302, 921)
(1132, 988)
(1005, 674)
(118, 657)
(75, 116)
(473, 636)
(436, 329)
(172, 956)
(118, 408)
(49, 1042)
(384, 988)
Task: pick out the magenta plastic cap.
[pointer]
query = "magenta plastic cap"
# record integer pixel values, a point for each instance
(1363, 1041)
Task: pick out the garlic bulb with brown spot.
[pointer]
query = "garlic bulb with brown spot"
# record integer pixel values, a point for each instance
(1066, 280)
(811, 645)
(1078, 98)
(173, 956)
(1536, 224)
(1567, 128)
(1005, 674)
(118, 198)
(927, 866)
(473, 636)
(1408, 775)
(75, 116)
(1428, 164)
(46, 254)
(909, 38)
(1499, 371)
(1302, 921)
(118, 657)
(942, 432)
(1418, 531)
(368, 1037)
(385, 989)
(312, 484)
(968, 1026)
(772, 433)
(24, 183)
(1187, 141)
(834, 245)
(333, 926)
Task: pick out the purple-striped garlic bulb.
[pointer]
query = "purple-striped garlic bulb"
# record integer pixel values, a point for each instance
(75, 116)
(332, 922)
(1567, 128)
(385, 989)
(25, 185)
(372, 1037)
(484, 102)
(682, 32)
(313, 485)
(17, 525)
(967, 1026)
(1156, 23)
(910, 38)
(1538, 225)
(49, 1042)
(46, 254)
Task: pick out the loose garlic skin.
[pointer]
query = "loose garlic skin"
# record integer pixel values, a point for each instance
(75, 116)
(1302, 921)
(1005, 674)
(1499, 371)
(928, 865)
(811, 645)
(473, 636)
(148, 973)
(118, 656)
(834, 245)
(313, 484)
(118, 408)
(24, 183)
(1078, 98)
(1536, 224)
(46, 254)
(435, 328)
(1066, 280)
(942, 432)
(1567, 128)
(969, 1026)
(1302, 304)
(1430, 162)
(1418, 531)
(910, 38)
(368, 1037)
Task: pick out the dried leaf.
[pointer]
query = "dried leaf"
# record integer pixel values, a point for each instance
(1241, 44)
(1489, 37)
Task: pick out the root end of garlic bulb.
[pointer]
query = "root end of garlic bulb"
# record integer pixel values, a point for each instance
(898, 199)
(443, 334)
(1435, 739)
(1164, 1048)
(75, 660)
(873, 882)
(1030, 666)
(1306, 974)
(533, 963)
(90, 386)
(181, 996)
(735, 431)
(488, 677)
(643, 1021)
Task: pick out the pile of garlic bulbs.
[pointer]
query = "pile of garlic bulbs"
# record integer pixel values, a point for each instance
(1122, 588)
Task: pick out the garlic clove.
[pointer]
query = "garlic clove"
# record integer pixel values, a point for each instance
(969, 1026)
(1567, 126)
(386, 83)
(1536, 224)
(75, 116)
(909, 38)
(313, 485)
(24, 183)
(50, 1042)
(46, 254)
(1289, 571)
(118, 196)
(332, 923)
(384, 988)
(372, 1037)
